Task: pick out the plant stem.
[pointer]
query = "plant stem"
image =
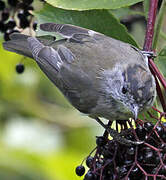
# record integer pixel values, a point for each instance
(150, 25)
(148, 47)
(159, 24)
(157, 73)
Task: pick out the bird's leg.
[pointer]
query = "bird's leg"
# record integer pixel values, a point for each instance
(149, 54)
(117, 136)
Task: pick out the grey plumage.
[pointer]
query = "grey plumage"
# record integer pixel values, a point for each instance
(99, 75)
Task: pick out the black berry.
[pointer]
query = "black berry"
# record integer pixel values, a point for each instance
(11, 24)
(4, 15)
(2, 27)
(24, 23)
(122, 171)
(35, 25)
(20, 68)
(2, 5)
(148, 155)
(159, 130)
(101, 141)
(8, 33)
(130, 151)
(89, 161)
(27, 2)
(13, 2)
(80, 170)
(141, 133)
(148, 126)
(89, 176)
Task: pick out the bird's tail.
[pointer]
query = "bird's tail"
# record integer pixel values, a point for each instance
(18, 44)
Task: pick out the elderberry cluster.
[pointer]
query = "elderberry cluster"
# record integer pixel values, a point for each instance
(15, 16)
(114, 161)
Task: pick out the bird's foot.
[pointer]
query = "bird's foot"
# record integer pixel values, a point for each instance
(150, 54)
(119, 137)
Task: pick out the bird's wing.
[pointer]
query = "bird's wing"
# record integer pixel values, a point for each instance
(19, 43)
(71, 32)
(72, 81)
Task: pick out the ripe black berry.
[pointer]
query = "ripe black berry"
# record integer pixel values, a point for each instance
(148, 126)
(89, 161)
(130, 150)
(35, 25)
(148, 155)
(163, 170)
(2, 27)
(4, 15)
(80, 170)
(159, 130)
(122, 171)
(2, 5)
(8, 33)
(100, 141)
(24, 23)
(20, 14)
(163, 147)
(89, 176)
(12, 2)
(141, 133)
(27, 2)
(11, 24)
(20, 68)
(29, 8)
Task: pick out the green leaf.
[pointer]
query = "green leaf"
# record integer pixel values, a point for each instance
(161, 61)
(162, 52)
(161, 64)
(146, 7)
(91, 4)
(125, 12)
(97, 20)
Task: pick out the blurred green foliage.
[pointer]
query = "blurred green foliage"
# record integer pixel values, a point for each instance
(42, 137)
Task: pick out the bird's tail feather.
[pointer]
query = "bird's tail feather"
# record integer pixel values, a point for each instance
(18, 44)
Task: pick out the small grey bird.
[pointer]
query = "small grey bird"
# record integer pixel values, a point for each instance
(99, 75)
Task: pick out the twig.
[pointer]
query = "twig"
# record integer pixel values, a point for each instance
(150, 25)
(148, 44)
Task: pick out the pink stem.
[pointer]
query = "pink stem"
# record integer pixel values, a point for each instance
(148, 47)
(150, 25)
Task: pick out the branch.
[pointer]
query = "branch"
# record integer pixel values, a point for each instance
(150, 25)
(148, 47)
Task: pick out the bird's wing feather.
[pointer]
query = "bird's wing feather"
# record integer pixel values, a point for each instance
(71, 32)
(72, 81)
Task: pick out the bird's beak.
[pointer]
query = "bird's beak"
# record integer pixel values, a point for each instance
(135, 111)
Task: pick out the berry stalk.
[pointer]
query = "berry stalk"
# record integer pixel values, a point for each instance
(148, 47)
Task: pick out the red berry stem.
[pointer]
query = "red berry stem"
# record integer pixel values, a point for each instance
(160, 94)
(150, 25)
(148, 47)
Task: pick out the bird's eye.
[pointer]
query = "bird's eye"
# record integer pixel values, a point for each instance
(150, 99)
(124, 90)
